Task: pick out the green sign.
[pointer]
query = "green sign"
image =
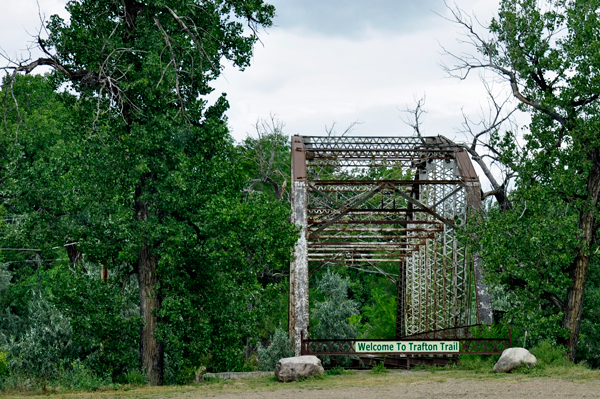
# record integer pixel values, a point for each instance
(406, 346)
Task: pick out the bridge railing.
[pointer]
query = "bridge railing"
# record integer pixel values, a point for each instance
(408, 347)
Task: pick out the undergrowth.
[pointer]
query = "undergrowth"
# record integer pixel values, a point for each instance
(75, 377)
(337, 370)
(551, 359)
(379, 368)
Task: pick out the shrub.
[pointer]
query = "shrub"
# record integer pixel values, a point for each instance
(280, 347)
(3, 364)
(381, 316)
(45, 344)
(477, 363)
(134, 377)
(78, 377)
(550, 355)
(337, 370)
(379, 368)
(334, 313)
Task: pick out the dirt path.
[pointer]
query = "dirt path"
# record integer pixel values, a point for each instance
(452, 388)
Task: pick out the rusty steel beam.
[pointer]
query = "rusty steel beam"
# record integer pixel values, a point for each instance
(425, 209)
(349, 208)
(315, 183)
(368, 222)
(380, 229)
(324, 211)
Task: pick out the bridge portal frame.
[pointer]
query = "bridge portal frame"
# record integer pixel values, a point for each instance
(366, 201)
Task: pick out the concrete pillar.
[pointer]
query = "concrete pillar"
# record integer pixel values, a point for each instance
(485, 312)
(298, 310)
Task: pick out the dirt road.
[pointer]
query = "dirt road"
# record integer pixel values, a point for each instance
(451, 388)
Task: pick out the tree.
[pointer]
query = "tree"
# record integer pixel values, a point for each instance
(267, 158)
(140, 71)
(548, 53)
(334, 312)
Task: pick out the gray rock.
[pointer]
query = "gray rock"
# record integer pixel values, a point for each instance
(512, 358)
(292, 368)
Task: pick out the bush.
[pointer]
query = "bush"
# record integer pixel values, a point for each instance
(550, 355)
(280, 347)
(78, 377)
(334, 313)
(134, 377)
(477, 363)
(379, 368)
(3, 364)
(381, 316)
(46, 343)
(337, 370)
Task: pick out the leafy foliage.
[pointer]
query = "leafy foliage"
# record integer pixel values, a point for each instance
(381, 316)
(45, 344)
(279, 347)
(527, 252)
(543, 248)
(212, 244)
(334, 312)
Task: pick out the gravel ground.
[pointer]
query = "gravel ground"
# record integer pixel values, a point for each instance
(452, 388)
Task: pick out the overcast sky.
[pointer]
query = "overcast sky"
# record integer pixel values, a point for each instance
(329, 61)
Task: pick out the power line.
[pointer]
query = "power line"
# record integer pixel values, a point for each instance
(19, 249)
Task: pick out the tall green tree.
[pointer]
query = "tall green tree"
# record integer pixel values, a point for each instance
(152, 151)
(547, 52)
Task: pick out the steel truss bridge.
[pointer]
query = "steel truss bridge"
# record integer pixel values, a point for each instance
(373, 202)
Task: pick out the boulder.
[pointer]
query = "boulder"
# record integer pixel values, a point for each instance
(292, 368)
(512, 358)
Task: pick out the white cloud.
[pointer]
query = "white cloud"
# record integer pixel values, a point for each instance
(20, 21)
(310, 79)
(311, 76)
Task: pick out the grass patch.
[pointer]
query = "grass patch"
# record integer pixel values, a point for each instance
(347, 379)
(379, 368)
(337, 370)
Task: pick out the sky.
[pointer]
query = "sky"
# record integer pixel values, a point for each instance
(331, 61)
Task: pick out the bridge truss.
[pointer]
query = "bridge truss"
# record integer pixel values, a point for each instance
(373, 202)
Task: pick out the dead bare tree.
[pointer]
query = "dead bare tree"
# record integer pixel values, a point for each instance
(479, 144)
(268, 153)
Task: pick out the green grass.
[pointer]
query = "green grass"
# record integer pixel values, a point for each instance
(346, 379)
(552, 364)
(379, 368)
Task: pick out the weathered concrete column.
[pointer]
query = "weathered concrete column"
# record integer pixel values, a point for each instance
(485, 312)
(298, 310)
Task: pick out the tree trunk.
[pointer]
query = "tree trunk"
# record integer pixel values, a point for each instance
(151, 351)
(579, 266)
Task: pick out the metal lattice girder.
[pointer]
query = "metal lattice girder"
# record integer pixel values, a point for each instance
(371, 202)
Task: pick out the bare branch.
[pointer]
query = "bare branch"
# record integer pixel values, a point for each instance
(332, 132)
(468, 63)
(415, 114)
(173, 62)
(201, 50)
